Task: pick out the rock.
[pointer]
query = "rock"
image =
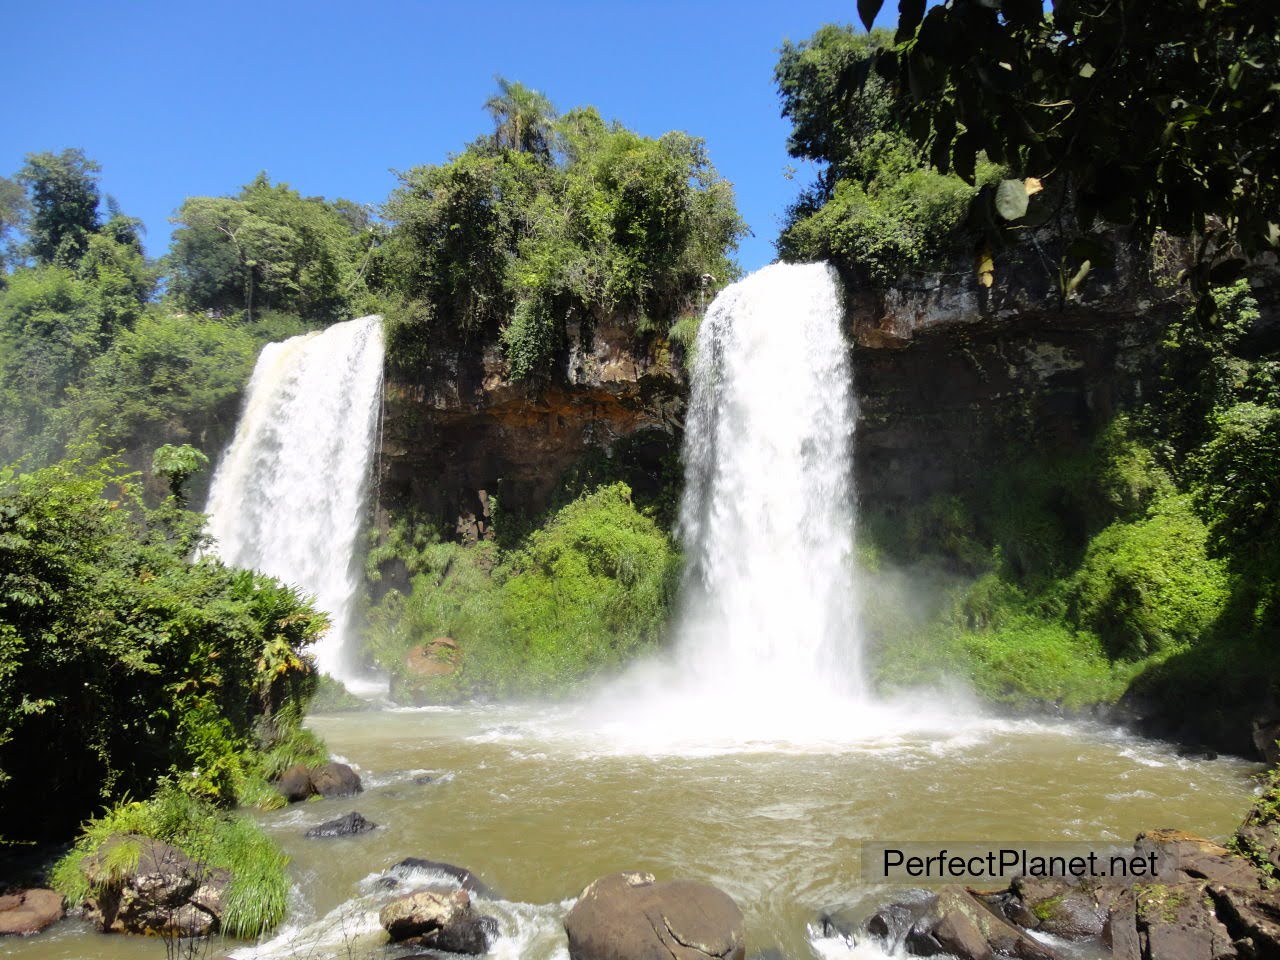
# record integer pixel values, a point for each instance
(1167, 922)
(1266, 731)
(439, 658)
(1073, 911)
(335, 780)
(465, 878)
(443, 921)
(959, 924)
(890, 923)
(1181, 857)
(1252, 916)
(629, 916)
(1261, 840)
(348, 826)
(167, 893)
(295, 784)
(29, 911)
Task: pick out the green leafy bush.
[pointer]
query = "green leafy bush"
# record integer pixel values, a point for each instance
(577, 596)
(1147, 586)
(122, 660)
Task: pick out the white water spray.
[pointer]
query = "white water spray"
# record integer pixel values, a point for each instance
(768, 513)
(287, 496)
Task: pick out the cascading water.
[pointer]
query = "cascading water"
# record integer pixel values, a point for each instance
(767, 518)
(286, 498)
(767, 645)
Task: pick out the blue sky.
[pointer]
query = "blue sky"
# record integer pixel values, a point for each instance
(177, 99)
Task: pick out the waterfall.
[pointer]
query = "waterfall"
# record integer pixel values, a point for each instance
(288, 493)
(767, 520)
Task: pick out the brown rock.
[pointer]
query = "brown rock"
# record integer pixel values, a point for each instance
(1250, 915)
(335, 780)
(165, 893)
(629, 916)
(1181, 857)
(295, 784)
(29, 911)
(445, 921)
(959, 924)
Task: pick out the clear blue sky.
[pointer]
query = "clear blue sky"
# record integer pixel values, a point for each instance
(178, 99)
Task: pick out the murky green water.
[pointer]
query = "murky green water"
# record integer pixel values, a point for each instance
(538, 804)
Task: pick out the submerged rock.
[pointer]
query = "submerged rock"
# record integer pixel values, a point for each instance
(443, 921)
(465, 878)
(629, 916)
(166, 893)
(25, 912)
(350, 825)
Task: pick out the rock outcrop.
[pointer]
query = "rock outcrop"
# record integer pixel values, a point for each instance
(630, 916)
(165, 893)
(24, 912)
(1202, 903)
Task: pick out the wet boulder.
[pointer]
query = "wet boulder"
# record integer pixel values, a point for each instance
(960, 925)
(348, 826)
(630, 916)
(295, 784)
(464, 878)
(165, 893)
(1072, 911)
(24, 912)
(336, 780)
(327, 780)
(441, 921)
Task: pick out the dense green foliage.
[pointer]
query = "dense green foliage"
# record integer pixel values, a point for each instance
(574, 597)
(877, 204)
(121, 660)
(552, 221)
(257, 896)
(1159, 115)
(1146, 564)
(269, 248)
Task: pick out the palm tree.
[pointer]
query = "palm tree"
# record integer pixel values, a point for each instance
(522, 118)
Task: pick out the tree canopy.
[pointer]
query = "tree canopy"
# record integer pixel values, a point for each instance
(1157, 115)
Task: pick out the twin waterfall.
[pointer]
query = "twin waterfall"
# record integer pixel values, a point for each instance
(288, 494)
(768, 611)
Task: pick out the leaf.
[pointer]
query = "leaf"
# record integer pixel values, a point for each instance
(867, 11)
(1078, 279)
(1011, 199)
(985, 267)
(910, 13)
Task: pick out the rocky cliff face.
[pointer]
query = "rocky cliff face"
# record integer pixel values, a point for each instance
(457, 434)
(947, 373)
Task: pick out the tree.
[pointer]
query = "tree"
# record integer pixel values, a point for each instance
(269, 248)
(522, 118)
(177, 464)
(64, 205)
(13, 214)
(1159, 115)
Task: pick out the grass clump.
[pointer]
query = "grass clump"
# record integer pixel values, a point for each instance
(256, 898)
